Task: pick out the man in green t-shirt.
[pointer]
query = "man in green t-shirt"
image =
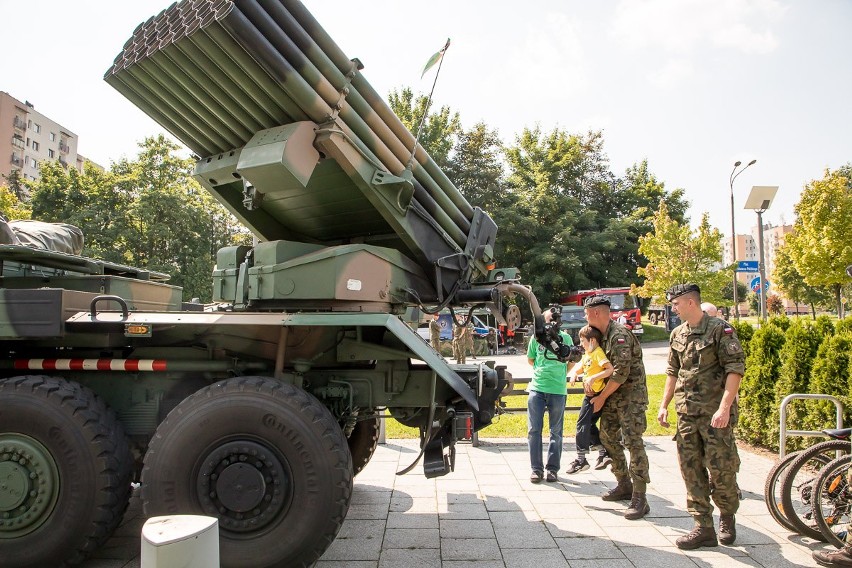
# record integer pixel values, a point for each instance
(547, 391)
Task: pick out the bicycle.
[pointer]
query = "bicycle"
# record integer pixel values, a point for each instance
(832, 496)
(798, 483)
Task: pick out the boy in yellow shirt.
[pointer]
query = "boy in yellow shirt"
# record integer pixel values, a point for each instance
(595, 369)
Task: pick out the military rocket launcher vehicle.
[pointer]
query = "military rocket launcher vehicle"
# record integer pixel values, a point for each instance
(260, 412)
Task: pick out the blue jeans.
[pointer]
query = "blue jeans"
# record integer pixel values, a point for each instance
(537, 403)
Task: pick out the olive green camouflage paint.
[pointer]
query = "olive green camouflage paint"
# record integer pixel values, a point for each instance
(222, 73)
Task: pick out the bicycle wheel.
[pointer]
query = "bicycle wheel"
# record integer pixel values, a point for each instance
(833, 501)
(798, 482)
(772, 490)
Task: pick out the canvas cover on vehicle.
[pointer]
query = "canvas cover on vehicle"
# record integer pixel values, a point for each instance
(56, 237)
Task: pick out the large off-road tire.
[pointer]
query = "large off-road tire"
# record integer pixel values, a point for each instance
(65, 467)
(265, 458)
(363, 441)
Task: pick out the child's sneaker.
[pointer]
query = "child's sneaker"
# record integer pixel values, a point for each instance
(578, 465)
(603, 461)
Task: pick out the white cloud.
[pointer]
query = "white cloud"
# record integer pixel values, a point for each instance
(684, 25)
(551, 50)
(674, 72)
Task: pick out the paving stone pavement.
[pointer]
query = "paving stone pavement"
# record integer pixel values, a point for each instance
(487, 514)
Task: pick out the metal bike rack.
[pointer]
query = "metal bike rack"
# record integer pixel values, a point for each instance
(783, 433)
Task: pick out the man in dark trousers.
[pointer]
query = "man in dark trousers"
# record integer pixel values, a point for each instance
(624, 401)
(705, 366)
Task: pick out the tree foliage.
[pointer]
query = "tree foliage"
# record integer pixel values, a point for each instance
(11, 206)
(440, 130)
(820, 246)
(774, 304)
(792, 284)
(832, 375)
(676, 254)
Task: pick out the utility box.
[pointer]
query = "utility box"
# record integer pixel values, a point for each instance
(180, 541)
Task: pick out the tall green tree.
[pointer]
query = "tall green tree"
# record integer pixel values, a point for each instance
(792, 284)
(676, 254)
(440, 129)
(820, 246)
(11, 206)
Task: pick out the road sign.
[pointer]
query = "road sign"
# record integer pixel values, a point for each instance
(754, 285)
(747, 266)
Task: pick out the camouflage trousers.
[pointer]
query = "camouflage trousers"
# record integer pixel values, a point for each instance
(622, 424)
(705, 452)
(436, 344)
(458, 351)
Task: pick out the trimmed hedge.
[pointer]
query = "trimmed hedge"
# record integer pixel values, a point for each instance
(794, 356)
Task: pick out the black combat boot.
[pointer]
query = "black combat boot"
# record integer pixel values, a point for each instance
(727, 529)
(621, 492)
(700, 536)
(842, 557)
(638, 508)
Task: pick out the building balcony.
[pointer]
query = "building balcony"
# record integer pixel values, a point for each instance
(16, 160)
(19, 124)
(64, 148)
(18, 142)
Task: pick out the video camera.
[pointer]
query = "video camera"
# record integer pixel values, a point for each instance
(547, 334)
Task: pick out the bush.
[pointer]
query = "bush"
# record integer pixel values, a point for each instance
(824, 325)
(744, 332)
(781, 322)
(844, 325)
(832, 374)
(757, 391)
(801, 344)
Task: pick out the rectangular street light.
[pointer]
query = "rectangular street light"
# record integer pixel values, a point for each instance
(759, 200)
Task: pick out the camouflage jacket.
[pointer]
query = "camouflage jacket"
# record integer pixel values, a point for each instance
(434, 329)
(701, 359)
(624, 352)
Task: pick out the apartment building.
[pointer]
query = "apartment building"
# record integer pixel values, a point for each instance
(28, 137)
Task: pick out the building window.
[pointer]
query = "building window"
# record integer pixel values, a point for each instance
(36, 127)
(35, 145)
(53, 136)
(51, 154)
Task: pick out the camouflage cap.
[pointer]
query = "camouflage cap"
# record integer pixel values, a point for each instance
(679, 290)
(593, 301)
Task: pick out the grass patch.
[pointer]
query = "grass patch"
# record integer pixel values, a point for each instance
(515, 425)
(653, 333)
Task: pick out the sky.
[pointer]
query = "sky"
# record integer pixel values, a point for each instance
(690, 85)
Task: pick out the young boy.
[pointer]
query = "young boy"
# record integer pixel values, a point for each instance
(595, 368)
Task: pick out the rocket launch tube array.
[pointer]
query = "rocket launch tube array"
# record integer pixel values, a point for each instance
(215, 72)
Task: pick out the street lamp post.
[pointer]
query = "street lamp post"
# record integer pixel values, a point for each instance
(734, 175)
(759, 200)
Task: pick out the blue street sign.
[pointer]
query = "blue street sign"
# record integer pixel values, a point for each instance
(747, 266)
(754, 285)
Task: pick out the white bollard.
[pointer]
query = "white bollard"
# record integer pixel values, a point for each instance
(180, 541)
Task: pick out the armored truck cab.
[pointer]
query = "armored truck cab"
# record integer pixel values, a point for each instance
(258, 410)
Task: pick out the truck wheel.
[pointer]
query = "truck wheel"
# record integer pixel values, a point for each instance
(265, 458)
(363, 442)
(65, 467)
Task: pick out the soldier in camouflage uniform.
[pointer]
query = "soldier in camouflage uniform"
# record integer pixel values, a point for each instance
(459, 332)
(469, 345)
(705, 366)
(435, 333)
(623, 401)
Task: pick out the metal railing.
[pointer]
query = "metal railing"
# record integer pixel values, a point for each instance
(16, 160)
(783, 432)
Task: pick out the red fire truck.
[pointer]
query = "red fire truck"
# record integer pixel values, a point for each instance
(621, 302)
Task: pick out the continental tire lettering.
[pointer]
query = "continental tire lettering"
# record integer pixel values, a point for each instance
(311, 475)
